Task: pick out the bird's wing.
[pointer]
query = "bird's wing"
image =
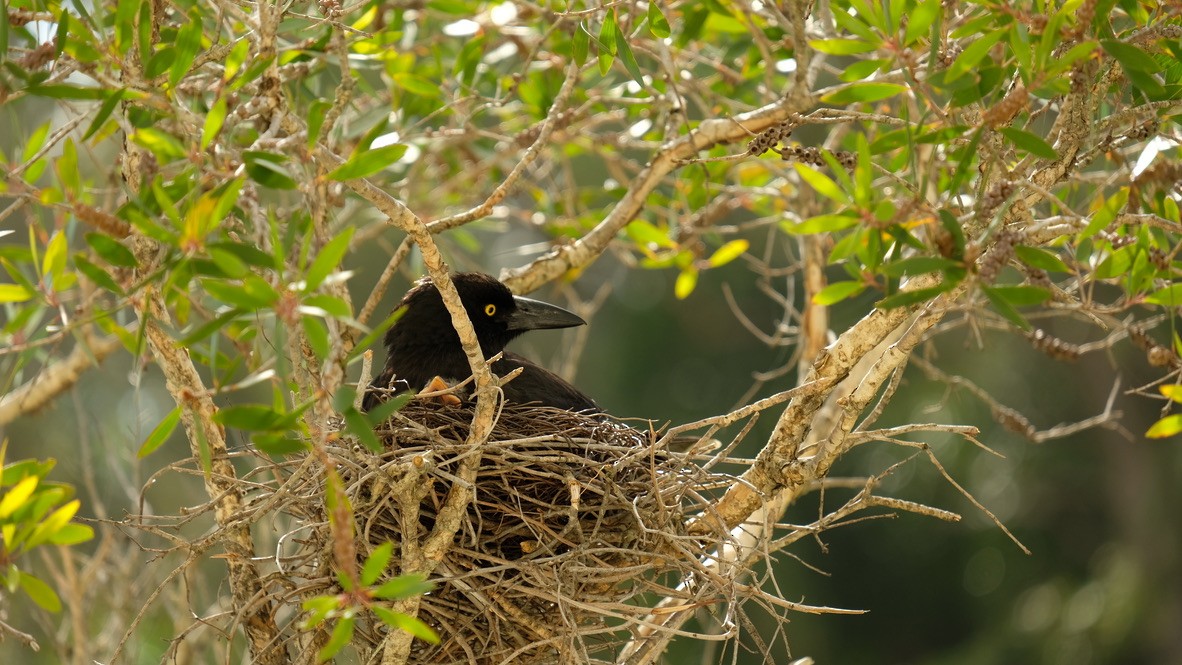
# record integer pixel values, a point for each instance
(538, 385)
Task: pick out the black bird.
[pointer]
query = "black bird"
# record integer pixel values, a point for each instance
(423, 345)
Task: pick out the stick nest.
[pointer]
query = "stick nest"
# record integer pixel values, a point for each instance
(576, 523)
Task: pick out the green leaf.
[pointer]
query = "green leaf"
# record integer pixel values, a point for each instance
(581, 43)
(112, 251)
(819, 224)
(104, 112)
(279, 445)
(1037, 257)
(188, 42)
(213, 122)
(1106, 214)
(821, 183)
(252, 293)
(403, 586)
(607, 43)
(66, 167)
(72, 534)
(52, 524)
(317, 112)
(1021, 296)
(1170, 296)
(368, 162)
(645, 233)
(727, 253)
(376, 563)
(328, 259)
(62, 91)
(342, 634)
(316, 335)
(1029, 142)
(859, 70)
(842, 46)
(687, 280)
(359, 426)
(657, 24)
(1131, 58)
(416, 84)
(624, 52)
(382, 412)
(267, 170)
(406, 623)
(160, 433)
(163, 145)
(920, 19)
(252, 418)
(96, 274)
(41, 593)
(972, 55)
(54, 261)
(863, 92)
(1168, 426)
(838, 291)
(1005, 308)
(236, 57)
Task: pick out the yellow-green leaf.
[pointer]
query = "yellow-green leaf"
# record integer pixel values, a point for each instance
(842, 46)
(728, 252)
(868, 91)
(54, 261)
(14, 293)
(52, 524)
(41, 593)
(687, 280)
(72, 534)
(838, 291)
(821, 182)
(1168, 426)
(213, 122)
(1173, 391)
(18, 495)
(973, 54)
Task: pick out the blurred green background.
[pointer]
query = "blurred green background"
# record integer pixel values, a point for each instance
(1098, 510)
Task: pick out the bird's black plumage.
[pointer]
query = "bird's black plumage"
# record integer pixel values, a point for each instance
(423, 344)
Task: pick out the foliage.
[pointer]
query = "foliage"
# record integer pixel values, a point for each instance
(34, 513)
(344, 608)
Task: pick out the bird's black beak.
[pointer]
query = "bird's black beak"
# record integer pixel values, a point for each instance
(537, 315)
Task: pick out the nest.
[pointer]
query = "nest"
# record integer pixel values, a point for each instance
(578, 524)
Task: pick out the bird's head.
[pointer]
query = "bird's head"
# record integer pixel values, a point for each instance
(497, 315)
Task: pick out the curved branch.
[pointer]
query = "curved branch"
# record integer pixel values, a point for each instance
(56, 378)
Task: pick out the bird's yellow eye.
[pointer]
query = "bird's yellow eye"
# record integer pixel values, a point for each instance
(490, 309)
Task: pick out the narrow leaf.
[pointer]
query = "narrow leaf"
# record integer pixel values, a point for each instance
(328, 260)
(838, 291)
(868, 91)
(1032, 144)
(160, 433)
(368, 162)
(687, 280)
(821, 183)
(376, 563)
(41, 593)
